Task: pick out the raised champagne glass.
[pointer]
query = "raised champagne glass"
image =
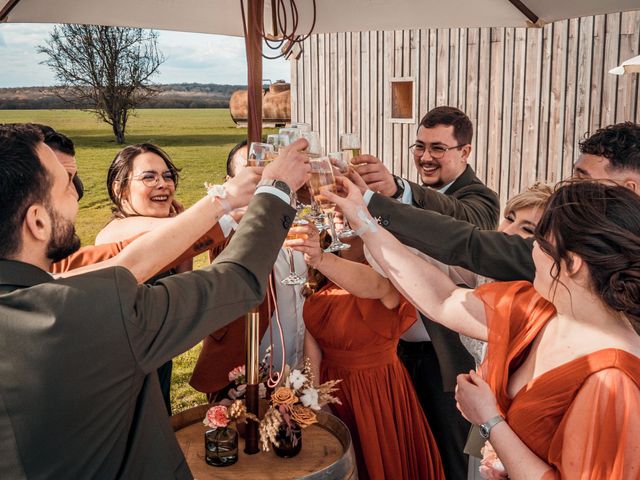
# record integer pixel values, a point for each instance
(321, 181)
(350, 146)
(337, 158)
(260, 154)
(315, 150)
(294, 278)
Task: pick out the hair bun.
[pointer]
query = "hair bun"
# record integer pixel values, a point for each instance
(623, 293)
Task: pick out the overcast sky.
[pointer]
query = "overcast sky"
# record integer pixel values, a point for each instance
(191, 57)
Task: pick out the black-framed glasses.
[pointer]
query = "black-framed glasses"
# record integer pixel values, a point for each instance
(151, 179)
(436, 151)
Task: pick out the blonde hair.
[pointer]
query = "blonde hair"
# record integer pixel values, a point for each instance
(537, 195)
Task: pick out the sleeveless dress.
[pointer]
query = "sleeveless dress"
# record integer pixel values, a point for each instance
(581, 417)
(358, 338)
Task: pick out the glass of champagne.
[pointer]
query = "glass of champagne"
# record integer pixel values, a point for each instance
(303, 127)
(350, 146)
(294, 278)
(260, 154)
(293, 133)
(337, 158)
(322, 180)
(315, 151)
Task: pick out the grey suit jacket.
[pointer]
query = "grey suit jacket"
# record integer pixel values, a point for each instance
(79, 397)
(468, 199)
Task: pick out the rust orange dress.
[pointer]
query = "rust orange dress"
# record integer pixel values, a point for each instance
(358, 338)
(582, 417)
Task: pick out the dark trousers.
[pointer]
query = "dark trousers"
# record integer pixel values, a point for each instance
(448, 426)
(164, 376)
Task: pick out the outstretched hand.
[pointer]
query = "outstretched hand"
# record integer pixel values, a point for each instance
(240, 188)
(308, 242)
(351, 203)
(291, 166)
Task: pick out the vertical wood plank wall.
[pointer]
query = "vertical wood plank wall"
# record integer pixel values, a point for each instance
(531, 94)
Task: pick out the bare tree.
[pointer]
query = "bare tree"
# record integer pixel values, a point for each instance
(105, 70)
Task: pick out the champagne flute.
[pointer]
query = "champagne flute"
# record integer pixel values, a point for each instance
(322, 180)
(350, 146)
(343, 166)
(260, 154)
(294, 278)
(293, 133)
(315, 151)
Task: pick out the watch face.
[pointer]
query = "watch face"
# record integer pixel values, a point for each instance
(484, 432)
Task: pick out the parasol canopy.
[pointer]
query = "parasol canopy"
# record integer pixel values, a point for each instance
(628, 66)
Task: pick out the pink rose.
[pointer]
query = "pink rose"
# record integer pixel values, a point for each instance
(237, 374)
(217, 416)
(491, 467)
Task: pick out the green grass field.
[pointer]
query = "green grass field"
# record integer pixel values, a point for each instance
(197, 140)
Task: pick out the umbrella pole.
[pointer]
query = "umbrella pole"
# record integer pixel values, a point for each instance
(253, 42)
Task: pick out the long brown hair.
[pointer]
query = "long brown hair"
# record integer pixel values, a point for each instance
(599, 222)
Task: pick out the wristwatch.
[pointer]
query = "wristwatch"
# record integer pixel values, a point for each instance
(399, 185)
(485, 428)
(279, 184)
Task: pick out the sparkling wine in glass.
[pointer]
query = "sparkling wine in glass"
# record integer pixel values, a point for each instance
(260, 154)
(338, 159)
(294, 278)
(350, 146)
(322, 181)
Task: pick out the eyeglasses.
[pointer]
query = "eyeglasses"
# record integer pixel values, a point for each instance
(151, 179)
(436, 151)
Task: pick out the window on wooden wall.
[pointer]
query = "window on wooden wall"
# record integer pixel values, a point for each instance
(402, 100)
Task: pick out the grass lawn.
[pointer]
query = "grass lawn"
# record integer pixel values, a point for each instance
(197, 140)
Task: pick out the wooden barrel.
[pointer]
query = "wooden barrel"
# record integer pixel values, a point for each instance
(276, 105)
(326, 452)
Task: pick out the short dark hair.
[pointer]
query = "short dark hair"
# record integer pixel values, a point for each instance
(600, 223)
(232, 153)
(56, 140)
(23, 181)
(122, 166)
(619, 143)
(450, 116)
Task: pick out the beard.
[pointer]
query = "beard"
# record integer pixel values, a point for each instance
(63, 241)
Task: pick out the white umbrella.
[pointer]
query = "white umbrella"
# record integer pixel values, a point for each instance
(629, 66)
(223, 16)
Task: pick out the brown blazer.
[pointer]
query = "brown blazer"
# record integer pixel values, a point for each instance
(79, 355)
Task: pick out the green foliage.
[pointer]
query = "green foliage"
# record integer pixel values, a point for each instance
(197, 140)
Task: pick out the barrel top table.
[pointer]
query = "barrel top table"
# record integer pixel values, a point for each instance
(326, 452)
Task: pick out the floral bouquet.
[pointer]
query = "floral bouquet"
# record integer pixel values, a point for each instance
(293, 405)
(238, 379)
(220, 416)
(491, 467)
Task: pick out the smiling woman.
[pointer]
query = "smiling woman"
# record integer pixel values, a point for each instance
(142, 182)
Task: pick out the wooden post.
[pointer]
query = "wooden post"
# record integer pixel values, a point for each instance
(253, 43)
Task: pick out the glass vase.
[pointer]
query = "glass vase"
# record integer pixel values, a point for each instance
(289, 440)
(221, 446)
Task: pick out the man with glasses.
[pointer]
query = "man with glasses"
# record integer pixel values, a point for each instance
(433, 354)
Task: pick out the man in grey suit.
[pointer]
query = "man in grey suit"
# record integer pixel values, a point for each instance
(612, 153)
(433, 354)
(78, 397)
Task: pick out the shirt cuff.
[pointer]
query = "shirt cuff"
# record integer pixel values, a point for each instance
(367, 197)
(227, 224)
(407, 195)
(274, 191)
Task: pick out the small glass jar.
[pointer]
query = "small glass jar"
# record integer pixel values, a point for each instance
(289, 440)
(221, 446)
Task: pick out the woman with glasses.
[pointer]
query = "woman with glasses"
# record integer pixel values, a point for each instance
(142, 182)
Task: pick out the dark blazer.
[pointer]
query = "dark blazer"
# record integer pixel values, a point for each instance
(79, 397)
(453, 242)
(469, 199)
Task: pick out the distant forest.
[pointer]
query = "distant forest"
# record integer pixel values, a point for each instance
(180, 95)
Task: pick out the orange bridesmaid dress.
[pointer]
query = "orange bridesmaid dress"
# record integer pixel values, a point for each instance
(582, 417)
(358, 338)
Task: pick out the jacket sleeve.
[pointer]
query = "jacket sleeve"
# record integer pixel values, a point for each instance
(475, 203)
(456, 242)
(177, 312)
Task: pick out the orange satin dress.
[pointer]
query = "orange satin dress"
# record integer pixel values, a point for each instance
(582, 417)
(358, 338)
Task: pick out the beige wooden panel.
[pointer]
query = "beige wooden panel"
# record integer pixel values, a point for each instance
(531, 109)
(308, 88)
(433, 69)
(583, 84)
(295, 103)
(482, 123)
(322, 90)
(557, 100)
(388, 68)
(442, 68)
(569, 144)
(396, 70)
(610, 82)
(462, 69)
(627, 84)
(512, 160)
(312, 42)
(545, 102)
(496, 83)
(597, 72)
(471, 97)
(365, 93)
(454, 64)
(511, 62)
(356, 84)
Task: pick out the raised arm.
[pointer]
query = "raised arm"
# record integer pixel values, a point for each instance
(424, 285)
(358, 279)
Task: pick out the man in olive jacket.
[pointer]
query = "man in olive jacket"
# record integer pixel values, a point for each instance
(79, 397)
(433, 354)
